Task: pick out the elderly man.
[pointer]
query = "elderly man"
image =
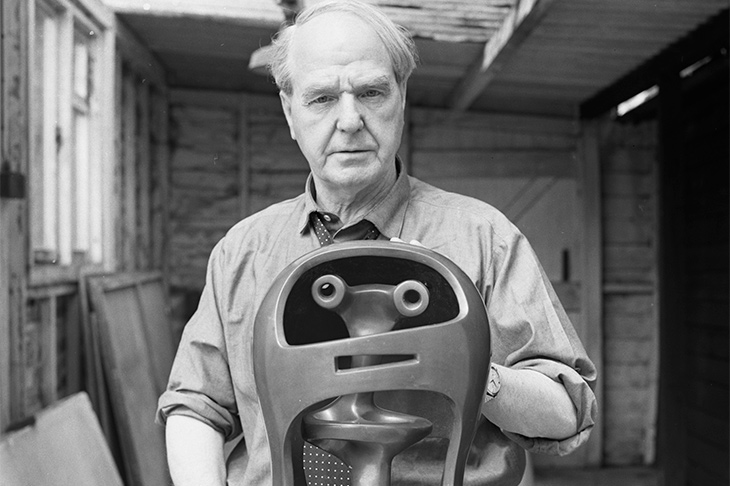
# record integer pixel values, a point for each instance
(342, 70)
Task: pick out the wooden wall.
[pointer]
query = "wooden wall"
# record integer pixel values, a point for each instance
(630, 300)
(141, 175)
(694, 444)
(706, 138)
(230, 155)
(41, 340)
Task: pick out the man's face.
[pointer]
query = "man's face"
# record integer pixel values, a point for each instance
(346, 108)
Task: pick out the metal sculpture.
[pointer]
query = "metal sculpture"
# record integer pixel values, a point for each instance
(353, 319)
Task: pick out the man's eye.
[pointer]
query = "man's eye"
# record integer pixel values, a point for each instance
(321, 99)
(371, 93)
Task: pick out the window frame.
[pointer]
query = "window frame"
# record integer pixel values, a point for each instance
(72, 236)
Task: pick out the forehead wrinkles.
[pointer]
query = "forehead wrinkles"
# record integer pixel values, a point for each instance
(334, 40)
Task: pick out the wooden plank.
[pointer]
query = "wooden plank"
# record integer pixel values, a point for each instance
(97, 145)
(505, 163)
(592, 278)
(14, 148)
(118, 170)
(144, 175)
(211, 99)
(495, 122)
(257, 14)
(450, 137)
(63, 446)
(161, 190)
(94, 382)
(5, 322)
(650, 441)
(628, 185)
(44, 290)
(628, 375)
(152, 300)
(244, 157)
(65, 132)
(129, 130)
(130, 371)
(674, 375)
(49, 350)
(499, 49)
(73, 363)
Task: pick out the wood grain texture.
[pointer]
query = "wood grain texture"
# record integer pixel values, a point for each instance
(137, 352)
(64, 445)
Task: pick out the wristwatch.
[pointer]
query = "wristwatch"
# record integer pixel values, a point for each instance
(493, 385)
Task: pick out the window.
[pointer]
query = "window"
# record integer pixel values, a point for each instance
(66, 167)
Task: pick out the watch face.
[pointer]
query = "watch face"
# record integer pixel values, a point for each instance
(493, 385)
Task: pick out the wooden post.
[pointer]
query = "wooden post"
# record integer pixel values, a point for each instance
(65, 136)
(244, 157)
(74, 366)
(110, 148)
(592, 280)
(161, 186)
(129, 166)
(118, 171)
(143, 241)
(5, 386)
(48, 337)
(672, 433)
(14, 144)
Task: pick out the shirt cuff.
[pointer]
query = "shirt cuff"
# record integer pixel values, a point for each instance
(584, 401)
(550, 446)
(200, 407)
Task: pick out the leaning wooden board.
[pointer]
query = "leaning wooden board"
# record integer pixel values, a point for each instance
(137, 351)
(64, 445)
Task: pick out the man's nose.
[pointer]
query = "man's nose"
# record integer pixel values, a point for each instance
(349, 118)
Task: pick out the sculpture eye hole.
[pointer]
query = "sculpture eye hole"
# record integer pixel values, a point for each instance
(412, 296)
(327, 290)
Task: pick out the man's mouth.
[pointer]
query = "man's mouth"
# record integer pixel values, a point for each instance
(350, 151)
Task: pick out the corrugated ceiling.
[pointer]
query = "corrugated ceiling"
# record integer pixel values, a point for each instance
(541, 56)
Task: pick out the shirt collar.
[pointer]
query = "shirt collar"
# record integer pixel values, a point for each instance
(387, 215)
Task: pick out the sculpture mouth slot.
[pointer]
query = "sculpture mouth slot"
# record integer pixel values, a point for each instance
(362, 361)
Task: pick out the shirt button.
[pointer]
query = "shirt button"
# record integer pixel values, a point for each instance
(327, 218)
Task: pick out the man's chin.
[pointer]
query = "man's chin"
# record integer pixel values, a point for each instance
(345, 159)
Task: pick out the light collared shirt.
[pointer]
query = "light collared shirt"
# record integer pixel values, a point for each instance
(212, 377)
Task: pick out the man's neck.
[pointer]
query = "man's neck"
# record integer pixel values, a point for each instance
(352, 207)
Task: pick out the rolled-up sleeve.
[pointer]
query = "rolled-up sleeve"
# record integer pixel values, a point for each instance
(531, 330)
(200, 384)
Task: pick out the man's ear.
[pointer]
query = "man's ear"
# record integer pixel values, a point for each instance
(286, 106)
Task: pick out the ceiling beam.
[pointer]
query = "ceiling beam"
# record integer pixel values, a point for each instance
(517, 26)
(232, 11)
